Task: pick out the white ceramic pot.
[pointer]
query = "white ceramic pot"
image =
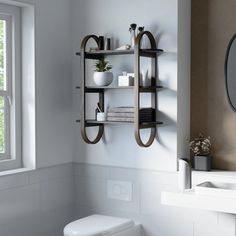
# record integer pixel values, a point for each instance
(103, 78)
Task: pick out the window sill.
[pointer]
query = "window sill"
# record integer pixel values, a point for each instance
(15, 171)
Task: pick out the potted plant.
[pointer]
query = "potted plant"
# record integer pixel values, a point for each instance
(102, 75)
(201, 148)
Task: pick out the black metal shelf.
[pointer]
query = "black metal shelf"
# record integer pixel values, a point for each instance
(96, 89)
(101, 53)
(143, 125)
(136, 53)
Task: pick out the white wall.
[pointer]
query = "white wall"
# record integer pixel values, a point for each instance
(117, 152)
(53, 81)
(112, 18)
(145, 206)
(54, 133)
(37, 203)
(41, 202)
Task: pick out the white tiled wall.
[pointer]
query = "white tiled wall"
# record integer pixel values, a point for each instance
(42, 202)
(37, 203)
(157, 219)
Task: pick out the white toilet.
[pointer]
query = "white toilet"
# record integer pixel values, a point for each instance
(99, 225)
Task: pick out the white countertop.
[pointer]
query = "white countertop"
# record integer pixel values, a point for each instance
(191, 199)
(215, 173)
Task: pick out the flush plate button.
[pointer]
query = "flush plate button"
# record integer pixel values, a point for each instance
(119, 190)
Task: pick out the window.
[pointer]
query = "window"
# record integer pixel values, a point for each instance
(5, 86)
(10, 88)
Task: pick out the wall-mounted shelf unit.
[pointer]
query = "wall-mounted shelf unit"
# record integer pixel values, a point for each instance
(137, 52)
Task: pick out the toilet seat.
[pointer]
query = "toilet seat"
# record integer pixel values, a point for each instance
(97, 225)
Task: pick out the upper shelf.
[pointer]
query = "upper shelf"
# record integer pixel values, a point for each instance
(102, 53)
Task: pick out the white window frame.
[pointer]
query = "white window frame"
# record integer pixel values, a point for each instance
(12, 159)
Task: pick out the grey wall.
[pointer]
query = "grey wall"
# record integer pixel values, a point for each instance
(41, 202)
(53, 81)
(112, 18)
(211, 112)
(117, 157)
(54, 133)
(146, 207)
(37, 203)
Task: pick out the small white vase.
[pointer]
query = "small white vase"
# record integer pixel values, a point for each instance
(145, 81)
(103, 78)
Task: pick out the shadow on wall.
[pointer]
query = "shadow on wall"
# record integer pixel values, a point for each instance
(170, 125)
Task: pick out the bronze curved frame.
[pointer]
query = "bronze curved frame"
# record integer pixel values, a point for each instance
(83, 94)
(137, 88)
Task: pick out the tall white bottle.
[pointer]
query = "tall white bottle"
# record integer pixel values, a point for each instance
(184, 175)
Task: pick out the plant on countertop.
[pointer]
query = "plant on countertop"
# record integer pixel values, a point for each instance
(102, 66)
(201, 146)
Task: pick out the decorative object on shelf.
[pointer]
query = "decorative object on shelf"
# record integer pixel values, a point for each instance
(127, 79)
(140, 30)
(184, 175)
(93, 49)
(132, 31)
(145, 82)
(201, 148)
(101, 43)
(108, 44)
(123, 47)
(101, 116)
(102, 75)
(127, 114)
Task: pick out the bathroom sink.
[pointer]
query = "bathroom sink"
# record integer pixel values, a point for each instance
(227, 190)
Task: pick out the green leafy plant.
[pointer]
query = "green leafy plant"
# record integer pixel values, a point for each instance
(102, 65)
(201, 145)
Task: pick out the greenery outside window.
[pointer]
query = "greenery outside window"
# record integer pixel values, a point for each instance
(10, 88)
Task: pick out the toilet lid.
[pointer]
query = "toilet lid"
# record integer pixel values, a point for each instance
(97, 225)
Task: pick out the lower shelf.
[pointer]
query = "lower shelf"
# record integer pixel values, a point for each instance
(143, 125)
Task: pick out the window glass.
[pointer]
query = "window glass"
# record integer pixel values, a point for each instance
(3, 55)
(2, 126)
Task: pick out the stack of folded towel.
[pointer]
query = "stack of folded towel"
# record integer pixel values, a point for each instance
(126, 114)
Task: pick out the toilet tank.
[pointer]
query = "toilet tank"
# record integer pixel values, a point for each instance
(100, 225)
